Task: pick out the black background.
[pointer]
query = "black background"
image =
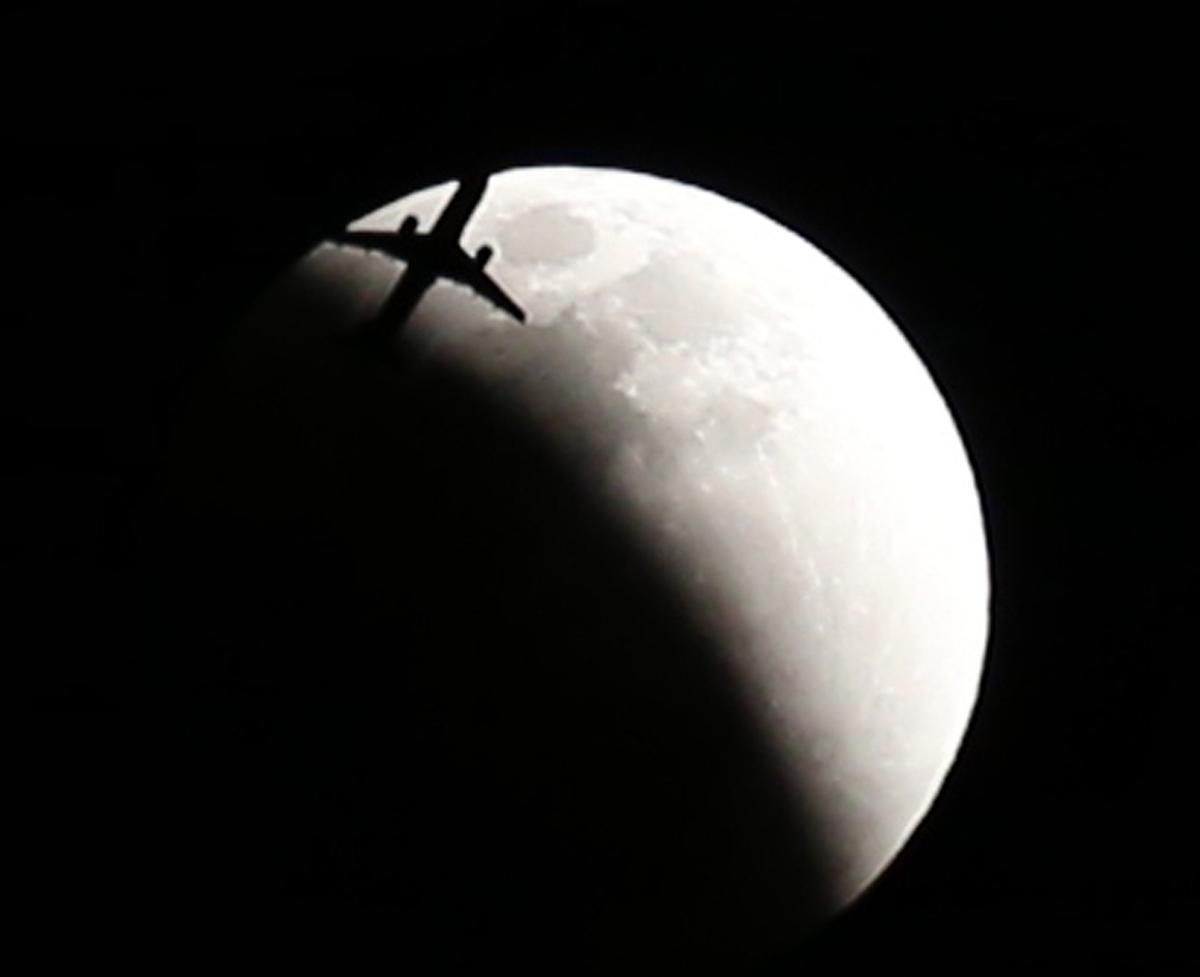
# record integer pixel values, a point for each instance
(1007, 192)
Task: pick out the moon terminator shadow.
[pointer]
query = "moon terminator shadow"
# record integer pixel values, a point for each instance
(460, 697)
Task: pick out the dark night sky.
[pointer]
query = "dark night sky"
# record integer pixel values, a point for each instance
(1007, 191)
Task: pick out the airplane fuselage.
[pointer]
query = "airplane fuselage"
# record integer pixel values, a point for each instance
(445, 255)
(433, 254)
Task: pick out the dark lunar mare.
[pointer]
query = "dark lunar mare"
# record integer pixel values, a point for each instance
(407, 676)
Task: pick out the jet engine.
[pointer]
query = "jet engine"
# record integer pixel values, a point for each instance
(482, 257)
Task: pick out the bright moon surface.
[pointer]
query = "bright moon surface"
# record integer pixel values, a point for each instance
(768, 428)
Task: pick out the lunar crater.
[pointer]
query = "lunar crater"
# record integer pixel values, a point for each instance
(743, 405)
(546, 235)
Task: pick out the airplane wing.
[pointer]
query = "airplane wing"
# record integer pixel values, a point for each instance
(388, 242)
(453, 218)
(480, 282)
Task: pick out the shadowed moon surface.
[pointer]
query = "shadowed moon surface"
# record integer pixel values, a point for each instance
(637, 636)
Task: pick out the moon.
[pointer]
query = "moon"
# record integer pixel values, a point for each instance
(746, 412)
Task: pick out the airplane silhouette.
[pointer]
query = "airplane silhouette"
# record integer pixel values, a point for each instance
(429, 256)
